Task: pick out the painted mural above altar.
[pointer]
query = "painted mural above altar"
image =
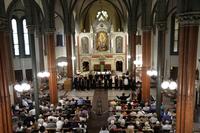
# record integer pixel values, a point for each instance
(102, 41)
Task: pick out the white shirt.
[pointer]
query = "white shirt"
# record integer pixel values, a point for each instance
(24, 103)
(32, 112)
(167, 127)
(59, 124)
(104, 131)
(111, 118)
(153, 119)
(40, 121)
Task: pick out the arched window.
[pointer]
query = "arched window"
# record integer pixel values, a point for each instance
(174, 35)
(15, 37)
(26, 39)
(119, 66)
(85, 66)
(102, 15)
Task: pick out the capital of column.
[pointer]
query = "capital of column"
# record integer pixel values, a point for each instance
(189, 18)
(147, 28)
(31, 29)
(3, 24)
(162, 26)
(50, 30)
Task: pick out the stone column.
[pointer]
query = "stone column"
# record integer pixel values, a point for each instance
(188, 38)
(146, 60)
(52, 66)
(5, 107)
(31, 32)
(161, 26)
(69, 55)
(132, 43)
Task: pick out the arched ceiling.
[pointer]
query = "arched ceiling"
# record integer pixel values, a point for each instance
(86, 10)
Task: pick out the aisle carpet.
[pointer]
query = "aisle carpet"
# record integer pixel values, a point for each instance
(99, 112)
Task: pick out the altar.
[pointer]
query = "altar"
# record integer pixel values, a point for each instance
(101, 49)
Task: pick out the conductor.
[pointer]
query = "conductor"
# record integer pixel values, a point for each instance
(123, 98)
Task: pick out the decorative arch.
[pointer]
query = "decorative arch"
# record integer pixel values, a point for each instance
(119, 63)
(85, 64)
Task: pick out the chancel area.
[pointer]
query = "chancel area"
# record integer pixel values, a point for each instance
(99, 66)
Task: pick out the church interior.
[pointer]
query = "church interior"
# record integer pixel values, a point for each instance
(99, 66)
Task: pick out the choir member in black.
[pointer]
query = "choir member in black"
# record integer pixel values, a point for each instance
(121, 84)
(80, 83)
(90, 80)
(88, 84)
(116, 82)
(99, 82)
(85, 83)
(110, 82)
(125, 81)
(105, 82)
(75, 82)
(90, 76)
(132, 83)
(93, 83)
(139, 95)
(96, 76)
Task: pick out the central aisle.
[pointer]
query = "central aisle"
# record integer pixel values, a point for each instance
(99, 113)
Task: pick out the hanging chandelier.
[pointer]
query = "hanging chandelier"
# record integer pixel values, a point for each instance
(23, 87)
(169, 84)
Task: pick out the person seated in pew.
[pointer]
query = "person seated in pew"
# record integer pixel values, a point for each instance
(42, 129)
(122, 123)
(59, 124)
(147, 126)
(138, 126)
(153, 118)
(157, 127)
(104, 130)
(146, 108)
(111, 117)
(112, 125)
(40, 120)
(51, 124)
(166, 126)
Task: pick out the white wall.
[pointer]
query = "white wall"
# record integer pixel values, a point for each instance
(7, 3)
(154, 48)
(170, 60)
(60, 51)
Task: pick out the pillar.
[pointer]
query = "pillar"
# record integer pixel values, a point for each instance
(146, 64)
(31, 29)
(69, 55)
(160, 63)
(132, 42)
(52, 67)
(5, 107)
(188, 38)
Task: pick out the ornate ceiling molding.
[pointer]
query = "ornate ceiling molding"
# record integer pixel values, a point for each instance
(161, 26)
(189, 18)
(3, 24)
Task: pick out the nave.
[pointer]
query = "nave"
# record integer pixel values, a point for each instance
(105, 107)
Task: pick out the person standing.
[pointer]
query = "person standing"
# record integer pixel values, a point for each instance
(123, 98)
(116, 82)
